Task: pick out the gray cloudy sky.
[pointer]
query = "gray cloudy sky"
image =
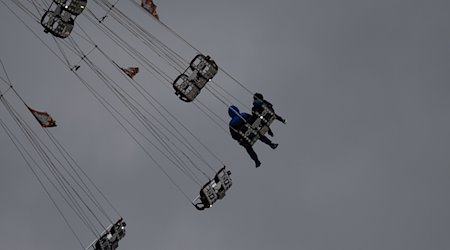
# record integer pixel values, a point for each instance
(363, 162)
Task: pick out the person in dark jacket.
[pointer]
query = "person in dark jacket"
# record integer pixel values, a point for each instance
(238, 120)
(258, 102)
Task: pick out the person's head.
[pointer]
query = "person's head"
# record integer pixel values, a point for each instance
(258, 96)
(233, 111)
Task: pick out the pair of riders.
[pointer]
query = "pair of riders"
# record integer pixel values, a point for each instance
(215, 189)
(238, 120)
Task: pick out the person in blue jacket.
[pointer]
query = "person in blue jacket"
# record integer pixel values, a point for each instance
(238, 120)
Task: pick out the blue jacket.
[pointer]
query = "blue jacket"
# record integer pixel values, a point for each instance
(237, 121)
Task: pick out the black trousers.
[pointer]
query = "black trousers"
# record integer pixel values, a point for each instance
(279, 118)
(252, 152)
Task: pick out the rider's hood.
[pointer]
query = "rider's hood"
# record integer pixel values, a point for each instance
(233, 111)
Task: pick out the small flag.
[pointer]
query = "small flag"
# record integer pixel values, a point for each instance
(43, 118)
(150, 6)
(131, 71)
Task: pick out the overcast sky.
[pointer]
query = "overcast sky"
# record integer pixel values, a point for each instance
(363, 161)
